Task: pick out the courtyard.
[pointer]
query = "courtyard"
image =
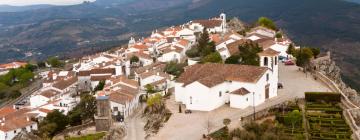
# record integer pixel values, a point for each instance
(191, 126)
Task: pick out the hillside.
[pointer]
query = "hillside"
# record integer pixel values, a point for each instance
(329, 24)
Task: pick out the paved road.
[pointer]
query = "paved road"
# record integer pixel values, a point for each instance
(191, 126)
(135, 126)
(25, 92)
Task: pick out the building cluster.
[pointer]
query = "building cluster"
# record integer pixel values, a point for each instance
(125, 74)
(4, 68)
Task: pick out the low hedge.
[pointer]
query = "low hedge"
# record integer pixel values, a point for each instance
(331, 97)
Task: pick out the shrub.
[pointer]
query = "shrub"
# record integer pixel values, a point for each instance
(322, 96)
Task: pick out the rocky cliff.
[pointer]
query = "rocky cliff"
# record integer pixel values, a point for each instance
(325, 65)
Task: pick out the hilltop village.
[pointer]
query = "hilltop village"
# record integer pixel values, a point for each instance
(201, 66)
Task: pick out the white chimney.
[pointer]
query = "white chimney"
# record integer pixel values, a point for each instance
(27, 118)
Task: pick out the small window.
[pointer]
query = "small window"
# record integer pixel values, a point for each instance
(220, 94)
(267, 77)
(15, 131)
(247, 99)
(31, 126)
(276, 60)
(266, 61)
(190, 100)
(116, 109)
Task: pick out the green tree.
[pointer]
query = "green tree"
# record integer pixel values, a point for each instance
(75, 116)
(315, 51)
(214, 57)
(30, 67)
(294, 118)
(54, 62)
(266, 22)
(249, 53)
(226, 121)
(53, 123)
(303, 57)
(291, 49)
(25, 77)
(193, 52)
(134, 59)
(150, 89)
(47, 129)
(87, 106)
(174, 68)
(100, 86)
(233, 59)
(154, 100)
(278, 35)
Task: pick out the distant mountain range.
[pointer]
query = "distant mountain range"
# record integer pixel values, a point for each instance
(9, 8)
(76, 30)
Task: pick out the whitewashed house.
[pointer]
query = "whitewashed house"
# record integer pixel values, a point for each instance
(89, 79)
(215, 25)
(172, 53)
(186, 33)
(205, 87)
(13, 121)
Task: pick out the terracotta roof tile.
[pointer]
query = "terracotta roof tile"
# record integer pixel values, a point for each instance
(212, 74)
(49, 93)
(100, 78)
(65, 83)
(269, 52)
(241, 91)
(16, 123)
(233, 48)
(209, 23)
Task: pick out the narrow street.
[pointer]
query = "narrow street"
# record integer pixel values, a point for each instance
(134, 125)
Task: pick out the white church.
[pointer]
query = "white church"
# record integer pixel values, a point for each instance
(205, 87)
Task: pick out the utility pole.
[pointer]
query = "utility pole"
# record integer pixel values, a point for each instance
(254, 104)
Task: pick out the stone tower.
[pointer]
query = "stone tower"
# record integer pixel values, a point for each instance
(223, 25)
(118, 68)
(103, 119)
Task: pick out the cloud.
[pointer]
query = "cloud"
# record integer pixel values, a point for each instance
(34, 2)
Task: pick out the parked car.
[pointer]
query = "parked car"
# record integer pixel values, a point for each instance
(289, 62)
(282, 58)
(188, 111)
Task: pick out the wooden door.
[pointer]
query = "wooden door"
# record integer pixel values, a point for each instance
(267, 91)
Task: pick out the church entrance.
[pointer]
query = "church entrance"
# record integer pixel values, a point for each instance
(267, 91)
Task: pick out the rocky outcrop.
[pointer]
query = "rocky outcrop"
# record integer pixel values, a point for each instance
(155, 115)
(23, 135)
(328, 67)
(115, 133)
(236, 25)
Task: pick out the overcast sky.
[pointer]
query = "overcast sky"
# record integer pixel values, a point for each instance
(33, 2)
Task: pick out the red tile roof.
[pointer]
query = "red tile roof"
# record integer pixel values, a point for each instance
(269, 52)
(212, 74)
(241, 91)
(209, 23)
(65, 83)
(49, 93)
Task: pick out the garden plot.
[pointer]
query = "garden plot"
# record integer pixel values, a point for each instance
(324, 118)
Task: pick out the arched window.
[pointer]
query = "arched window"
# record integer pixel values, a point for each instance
(266, 61)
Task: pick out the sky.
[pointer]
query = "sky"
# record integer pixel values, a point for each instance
(34, 2)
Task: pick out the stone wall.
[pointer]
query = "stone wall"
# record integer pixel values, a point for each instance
(328, 67)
